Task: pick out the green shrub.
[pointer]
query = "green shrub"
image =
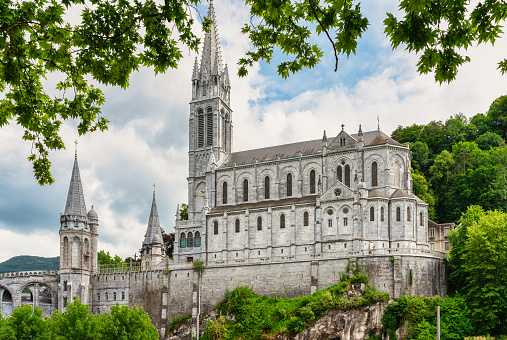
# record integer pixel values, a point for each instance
(176, 323)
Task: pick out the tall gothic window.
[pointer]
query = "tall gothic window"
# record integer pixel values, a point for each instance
(245, 190)
(408, 213)
(86, 252)
(76, 252)
(183, 240)
(200, 128)
(347, 175)
(215, 227)
(266, 187)
(237, 225)
(209, 127)
(224, 193)
(382, 214)
(374, 179)
(282, 221)
(190, 240)
(289, 184)
(197, 239)
(421, 223)
(65, 251)
(398, 214)
(339, 173)
(306, 218)
(312, 182)
(224, 129)
(259, 223)
(372, 214)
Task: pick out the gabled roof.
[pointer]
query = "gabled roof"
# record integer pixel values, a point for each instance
(75, 198)
(306, 148)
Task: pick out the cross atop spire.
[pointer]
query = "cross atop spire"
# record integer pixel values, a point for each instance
(75, 153)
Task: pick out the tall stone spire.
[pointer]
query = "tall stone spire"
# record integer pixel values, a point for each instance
(75, 198)
(211, 61)
(154, 232)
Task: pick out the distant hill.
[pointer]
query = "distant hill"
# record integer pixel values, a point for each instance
(28, 263)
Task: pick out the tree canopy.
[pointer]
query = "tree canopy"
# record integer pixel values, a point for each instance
(460, 162)
(113, 38)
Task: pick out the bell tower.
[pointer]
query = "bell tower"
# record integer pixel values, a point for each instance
(210, 121)
(78, 244)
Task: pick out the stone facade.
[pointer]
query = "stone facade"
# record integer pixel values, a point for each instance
(438, 236)
(286, 219)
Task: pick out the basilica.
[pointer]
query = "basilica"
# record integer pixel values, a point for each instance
(286, 220)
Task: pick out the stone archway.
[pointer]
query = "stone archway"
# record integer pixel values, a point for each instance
(39, 294)
(6, 301)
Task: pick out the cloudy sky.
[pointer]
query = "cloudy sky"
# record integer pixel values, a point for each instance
(147, 140)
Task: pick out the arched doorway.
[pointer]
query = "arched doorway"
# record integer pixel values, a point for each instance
(6, 303)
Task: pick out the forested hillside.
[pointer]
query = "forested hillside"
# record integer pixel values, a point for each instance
(460, 162)
(28, 263)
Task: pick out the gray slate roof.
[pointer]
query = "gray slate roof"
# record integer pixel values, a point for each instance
(306, 148)
(75, 198)
(154, 232)
(263, 204)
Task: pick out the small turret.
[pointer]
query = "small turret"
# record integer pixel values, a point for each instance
(151, 251)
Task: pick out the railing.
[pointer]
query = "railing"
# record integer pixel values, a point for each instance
(119, 268)
(309, 257)
(29, 272)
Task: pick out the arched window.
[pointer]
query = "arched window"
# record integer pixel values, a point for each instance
(372, 214)
(86, 252)
(123, 295)
(190, 240)
(259, 223)
(408, 213)
(266, 187)
(107, 296)
(282, 221)
(65, 251)
(347, 175)
(312, 182)
(398, 214)
(114, 296)
(224, 129)
(183, 240)
(224, 193)
(421, 223)
(209, 127)
(289, 184)
(200, 128)
(382, 214)
(236, 225)
(306, 218)
(98, 296)
(374, 179)
(215, 227)
(339, 174)
(76, 252)
(245, 190)
(197, 239)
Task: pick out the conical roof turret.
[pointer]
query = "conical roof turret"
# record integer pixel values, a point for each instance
(75, 198)
(154, 232)
(211, 54)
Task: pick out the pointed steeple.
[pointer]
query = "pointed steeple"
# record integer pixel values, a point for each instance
(211, 54)
(75, 198)
(154, 232)
(225, 76)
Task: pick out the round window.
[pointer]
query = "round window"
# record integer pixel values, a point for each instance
(337, 192)
(330, 212)
(345, 210)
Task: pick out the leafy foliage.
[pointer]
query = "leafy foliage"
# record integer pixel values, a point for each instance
(177, 322)
(479, 250)
(77, 323)
(420, 315)
(105, 258)
(184, 212)
(198, 266)
(460, 162)
(257, 316)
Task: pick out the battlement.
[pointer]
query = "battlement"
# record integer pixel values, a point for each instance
(30, 273)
